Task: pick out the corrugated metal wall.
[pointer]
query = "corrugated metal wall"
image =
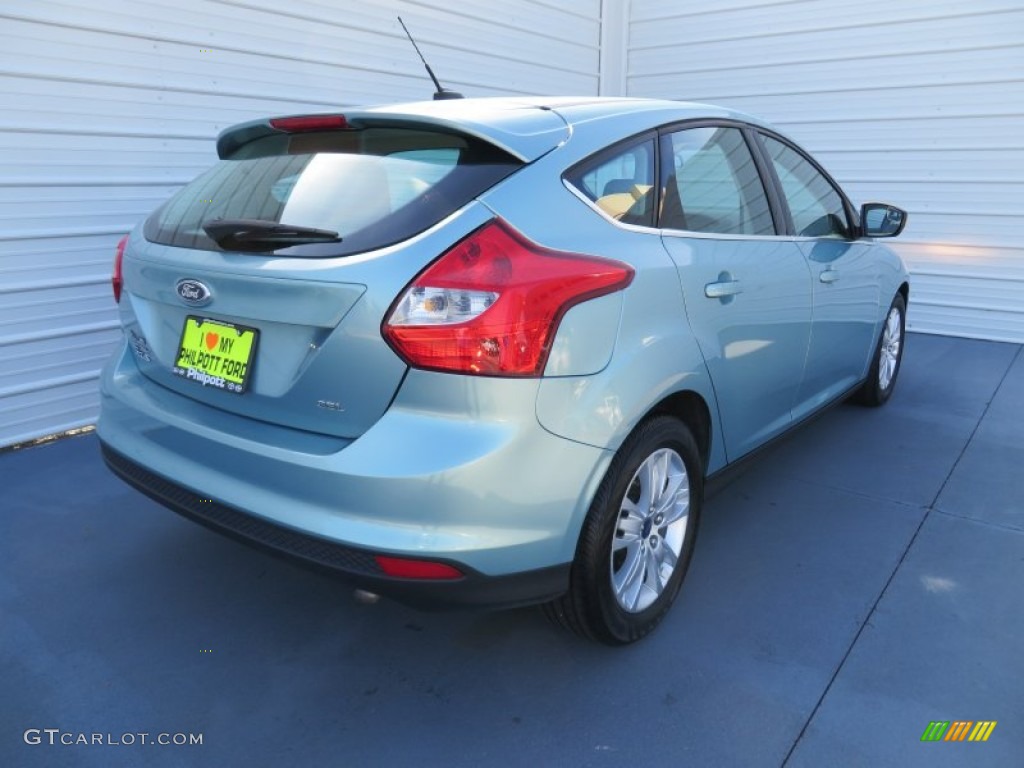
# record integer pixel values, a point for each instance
(917, 102)
(110, 105)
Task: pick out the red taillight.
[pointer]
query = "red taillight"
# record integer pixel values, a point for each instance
(402, 568)
(117, 279)
(310, 123)
(491, 305)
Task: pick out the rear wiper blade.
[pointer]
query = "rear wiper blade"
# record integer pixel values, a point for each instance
(260, 234)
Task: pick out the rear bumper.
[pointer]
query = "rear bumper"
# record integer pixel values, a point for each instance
(485, 488)
(354, 565)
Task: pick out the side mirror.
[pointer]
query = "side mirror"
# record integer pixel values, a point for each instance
(882, 219)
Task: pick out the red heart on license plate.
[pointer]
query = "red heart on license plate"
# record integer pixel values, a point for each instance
(211, 340)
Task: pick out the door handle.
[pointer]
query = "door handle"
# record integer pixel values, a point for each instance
(829, 275)
(722, 289)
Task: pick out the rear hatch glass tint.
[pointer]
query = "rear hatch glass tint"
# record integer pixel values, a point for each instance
(374, 187)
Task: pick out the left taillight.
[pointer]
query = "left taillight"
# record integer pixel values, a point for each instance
(117, 278)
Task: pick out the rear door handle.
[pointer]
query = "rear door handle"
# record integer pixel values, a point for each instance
(829, 275)
(722, 289)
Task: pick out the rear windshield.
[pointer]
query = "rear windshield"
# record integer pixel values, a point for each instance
(374, 187)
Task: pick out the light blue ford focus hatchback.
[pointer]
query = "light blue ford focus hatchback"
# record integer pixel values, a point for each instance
(486, 351)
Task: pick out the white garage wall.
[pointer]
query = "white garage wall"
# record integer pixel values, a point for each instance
(916, 102)
(109, 106)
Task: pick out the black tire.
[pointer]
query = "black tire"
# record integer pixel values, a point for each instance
(593, 607)
(876, 389)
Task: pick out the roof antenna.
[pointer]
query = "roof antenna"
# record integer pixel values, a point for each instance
(441, 93)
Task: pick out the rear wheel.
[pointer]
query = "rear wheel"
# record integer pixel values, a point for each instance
(888, 355)
(638, 537)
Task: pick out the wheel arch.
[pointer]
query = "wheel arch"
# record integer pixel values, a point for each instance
(904, 290)
(691, 409)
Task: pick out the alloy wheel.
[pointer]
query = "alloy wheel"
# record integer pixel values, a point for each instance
(648, 538)
(889, 355)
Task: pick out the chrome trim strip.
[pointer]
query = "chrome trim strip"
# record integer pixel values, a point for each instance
(597, 209)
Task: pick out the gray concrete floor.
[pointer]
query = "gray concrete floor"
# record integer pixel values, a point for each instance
(859, 580)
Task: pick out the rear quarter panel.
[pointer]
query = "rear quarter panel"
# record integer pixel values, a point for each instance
(652, 352)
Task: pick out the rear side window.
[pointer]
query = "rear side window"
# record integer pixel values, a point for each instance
(620, 183)
(374, 187)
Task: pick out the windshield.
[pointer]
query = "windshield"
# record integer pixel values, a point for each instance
(373, 187)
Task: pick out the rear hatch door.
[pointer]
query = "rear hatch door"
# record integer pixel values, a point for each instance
(285, 328)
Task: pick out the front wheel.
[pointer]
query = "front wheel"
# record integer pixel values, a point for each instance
(888, 355)
(638, 537)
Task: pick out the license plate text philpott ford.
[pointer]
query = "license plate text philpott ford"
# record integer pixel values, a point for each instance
(216, 354)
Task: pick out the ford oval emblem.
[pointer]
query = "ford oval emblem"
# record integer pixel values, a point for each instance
(193, 292)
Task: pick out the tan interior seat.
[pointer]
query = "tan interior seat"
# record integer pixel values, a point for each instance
(619, 204)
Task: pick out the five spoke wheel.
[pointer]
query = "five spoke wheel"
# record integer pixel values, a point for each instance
(885, 366)
(651, 527)
(637, 540)
(892, 341)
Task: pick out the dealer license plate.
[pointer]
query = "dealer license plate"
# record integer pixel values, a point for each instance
(216, 354)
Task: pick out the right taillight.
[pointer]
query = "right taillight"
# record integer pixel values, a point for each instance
(492, 304)
(117, 278)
